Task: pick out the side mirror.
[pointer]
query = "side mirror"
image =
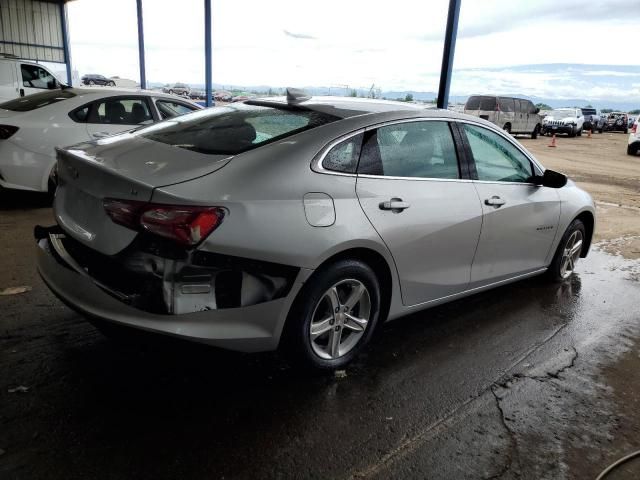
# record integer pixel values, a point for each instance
(551, 179)
(537, 110)
(52, 84)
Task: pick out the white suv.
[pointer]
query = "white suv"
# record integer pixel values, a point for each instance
(564, 120)
(19, 78)
(634, 140)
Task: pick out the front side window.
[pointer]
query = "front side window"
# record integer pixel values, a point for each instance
(343, 157)
(497, 159)
(121, 111)
(169, 109)
(34, 76)
(234, 129)
(412, 149)
(37, 100)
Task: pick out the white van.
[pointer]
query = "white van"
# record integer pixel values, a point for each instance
(20, 77)
(514, 115)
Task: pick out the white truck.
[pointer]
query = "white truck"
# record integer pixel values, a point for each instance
(21, 77)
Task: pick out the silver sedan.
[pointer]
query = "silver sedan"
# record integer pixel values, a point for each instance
(302, 223)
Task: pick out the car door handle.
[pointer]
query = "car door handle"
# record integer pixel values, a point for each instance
(396, 205)
(494, 201)
(100, 134)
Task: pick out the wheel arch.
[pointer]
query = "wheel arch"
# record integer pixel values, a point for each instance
(588, 219)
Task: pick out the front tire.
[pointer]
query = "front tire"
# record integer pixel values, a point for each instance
(632, 149)
(535, 132)
(333, 317)
(568, 252)
(507, 128)
(111, 84)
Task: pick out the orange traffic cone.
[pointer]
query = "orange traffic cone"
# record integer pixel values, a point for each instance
(553, 141)
(588, 133)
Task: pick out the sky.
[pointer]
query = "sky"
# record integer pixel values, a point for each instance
(503, 46)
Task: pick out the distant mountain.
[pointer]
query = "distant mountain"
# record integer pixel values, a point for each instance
(558, 85)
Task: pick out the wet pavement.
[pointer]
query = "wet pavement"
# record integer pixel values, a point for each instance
(530, 380)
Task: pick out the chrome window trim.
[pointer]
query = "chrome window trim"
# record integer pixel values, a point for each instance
(316, 163)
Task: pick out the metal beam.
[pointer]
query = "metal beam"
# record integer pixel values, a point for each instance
(447, 54)
(65, 40)
(207, 53)
(143, 75)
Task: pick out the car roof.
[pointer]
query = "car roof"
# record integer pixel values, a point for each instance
(118, 91)
(343, 107)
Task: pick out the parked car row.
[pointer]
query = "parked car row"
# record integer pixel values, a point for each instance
(32, 127)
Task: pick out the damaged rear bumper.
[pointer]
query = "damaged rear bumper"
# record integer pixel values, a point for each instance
(250, 328)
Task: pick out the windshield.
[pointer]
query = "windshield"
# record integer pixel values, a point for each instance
(233, 129)
(37, 100)
(563, 113)
(589, 111)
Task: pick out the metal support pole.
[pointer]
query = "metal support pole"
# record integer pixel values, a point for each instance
(447, 53)
(143, 75)
(65, 39)
(207, 53)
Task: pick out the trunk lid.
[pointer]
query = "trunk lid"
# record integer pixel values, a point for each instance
(126, 167)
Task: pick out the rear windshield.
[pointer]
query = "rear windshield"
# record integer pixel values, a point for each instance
(588, 111)
(37, 100)
(480, 103)
(233, 129)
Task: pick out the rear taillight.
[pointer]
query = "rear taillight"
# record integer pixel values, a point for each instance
(6, 131)
(634, 129)
(186, 225)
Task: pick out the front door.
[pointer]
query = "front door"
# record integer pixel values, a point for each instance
(520, 219)
(36, 79)
(410, 188)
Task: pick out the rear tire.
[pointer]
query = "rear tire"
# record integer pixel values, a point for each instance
(568, 252)
(632, 149)
(319, 333)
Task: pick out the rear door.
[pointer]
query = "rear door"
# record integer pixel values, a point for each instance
(8, 81)
(112, 115)
(520, 218)
(410, 187)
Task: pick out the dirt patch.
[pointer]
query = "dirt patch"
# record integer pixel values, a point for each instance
(601, 166)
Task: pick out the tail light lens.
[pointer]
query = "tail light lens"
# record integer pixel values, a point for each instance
(186, 225)
(6, 131)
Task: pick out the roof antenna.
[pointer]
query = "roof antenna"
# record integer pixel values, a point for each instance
(297, 95)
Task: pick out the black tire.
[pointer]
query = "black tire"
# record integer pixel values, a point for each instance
(170, 92)
(91, 82)
(296, 340)
(554, 272)
(572, 133)
(632, 149)
(111, 84)
(579, 134)
(535, 132)
(507, 128)
(626, 130)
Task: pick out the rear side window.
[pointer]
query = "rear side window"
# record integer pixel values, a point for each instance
(235, 128)
(121, 111)
(506, 104)
(479, 102)
(343, 157)
(411, 149)
(37, 100)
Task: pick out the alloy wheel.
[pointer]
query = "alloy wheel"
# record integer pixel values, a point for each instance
(340, 319)
(570, 254)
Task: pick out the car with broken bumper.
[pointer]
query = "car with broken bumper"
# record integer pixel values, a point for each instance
(302, 223)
